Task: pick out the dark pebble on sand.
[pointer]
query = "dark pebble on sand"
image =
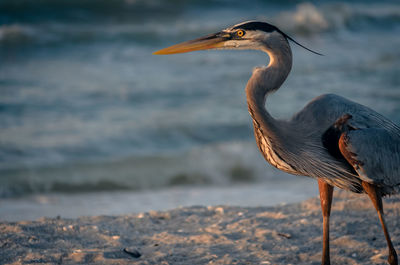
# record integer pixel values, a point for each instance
(132, 252)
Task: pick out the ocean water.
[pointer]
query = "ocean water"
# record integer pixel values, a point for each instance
(85, 106)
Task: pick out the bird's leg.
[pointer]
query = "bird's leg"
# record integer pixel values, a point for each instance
(376, 198)
(325, 196)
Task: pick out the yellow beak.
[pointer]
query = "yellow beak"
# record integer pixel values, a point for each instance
(213, 41)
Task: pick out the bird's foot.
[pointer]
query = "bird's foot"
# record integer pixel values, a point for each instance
(392, 259)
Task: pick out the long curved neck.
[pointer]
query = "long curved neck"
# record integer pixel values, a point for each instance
(272, 136)
(266, 80)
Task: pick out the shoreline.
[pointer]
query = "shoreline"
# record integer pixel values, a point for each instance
(74, 205)
(284, 234)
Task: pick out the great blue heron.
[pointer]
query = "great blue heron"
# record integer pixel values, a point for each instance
(334, 140)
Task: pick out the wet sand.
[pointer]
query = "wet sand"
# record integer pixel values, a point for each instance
(285, 234)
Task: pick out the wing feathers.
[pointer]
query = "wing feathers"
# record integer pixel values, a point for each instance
(374, 154)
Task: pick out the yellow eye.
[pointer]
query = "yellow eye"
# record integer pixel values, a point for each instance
(240, 33)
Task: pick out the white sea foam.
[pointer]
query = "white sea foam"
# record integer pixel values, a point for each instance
(308, 18)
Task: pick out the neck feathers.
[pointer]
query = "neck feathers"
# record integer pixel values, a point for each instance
(266, 80)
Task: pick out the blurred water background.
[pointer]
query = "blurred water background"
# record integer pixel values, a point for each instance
(85, 106)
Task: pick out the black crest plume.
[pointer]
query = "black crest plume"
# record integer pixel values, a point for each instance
(264, 26)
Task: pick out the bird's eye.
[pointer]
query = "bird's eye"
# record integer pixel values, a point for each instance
(240, 33)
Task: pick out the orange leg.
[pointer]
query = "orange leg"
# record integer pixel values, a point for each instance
(325, 196)
(376, 198)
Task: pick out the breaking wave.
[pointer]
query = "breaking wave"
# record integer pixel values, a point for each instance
(221, 164)
(131, 20)
(308, 18)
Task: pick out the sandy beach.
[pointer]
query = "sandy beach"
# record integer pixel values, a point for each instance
(285, 234)
(110, 154)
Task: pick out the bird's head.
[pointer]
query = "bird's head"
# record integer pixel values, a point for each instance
(250, 35)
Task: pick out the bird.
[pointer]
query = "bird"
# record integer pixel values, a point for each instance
(334, 140)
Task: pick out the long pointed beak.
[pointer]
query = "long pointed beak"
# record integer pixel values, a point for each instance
(213, 41)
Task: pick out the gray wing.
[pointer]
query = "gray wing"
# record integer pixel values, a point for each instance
(374, 154)
(323, 111)
(373, 140)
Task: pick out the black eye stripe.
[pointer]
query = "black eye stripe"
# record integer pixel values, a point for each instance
(264, 26)
(254, 25)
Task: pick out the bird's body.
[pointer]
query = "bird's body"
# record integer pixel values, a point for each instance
(304, 146)
(334, 140)
(308, 152)
(325, 111)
